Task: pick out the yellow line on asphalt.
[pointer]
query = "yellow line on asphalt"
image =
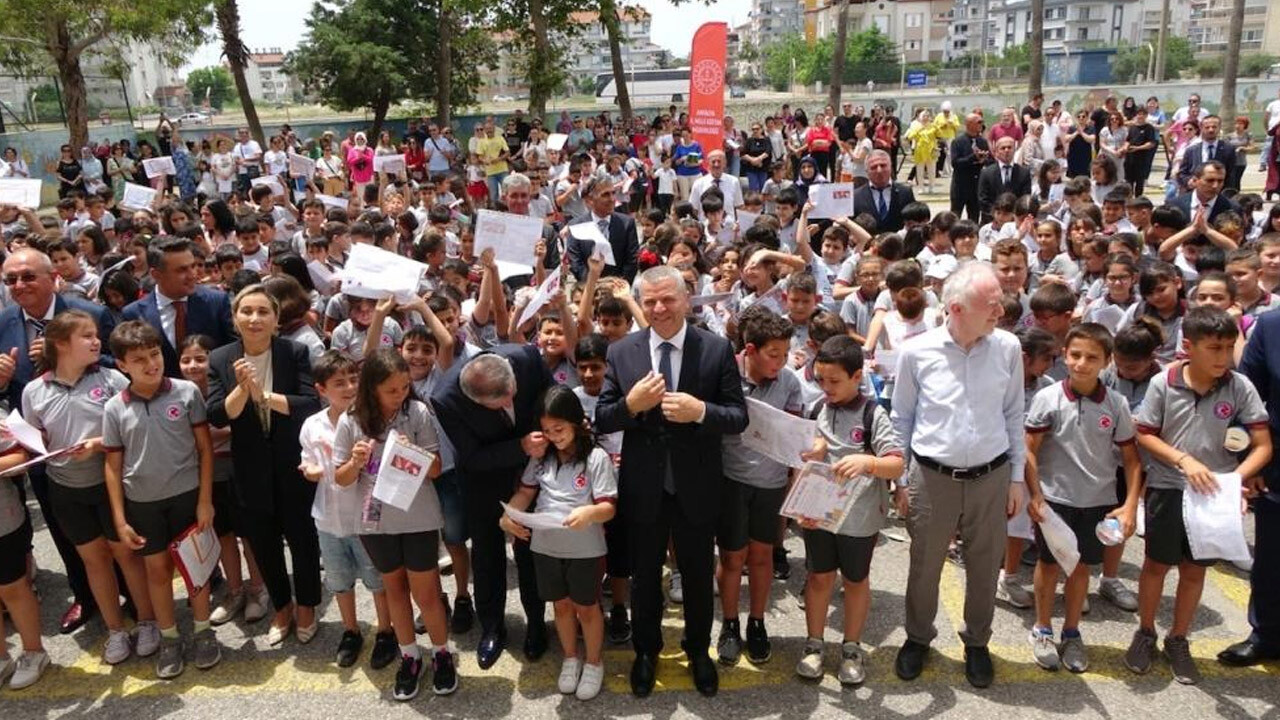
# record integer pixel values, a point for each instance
(1233, 587)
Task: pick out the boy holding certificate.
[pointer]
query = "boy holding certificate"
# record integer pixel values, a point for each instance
(856, 437)
(1182, 425)
(754, 487)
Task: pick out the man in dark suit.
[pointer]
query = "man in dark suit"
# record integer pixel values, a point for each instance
(620, 229)
(488, 407)
(1209, 179)
(1261, 364)
(1211, 147)
(970, 152)
(1001, 176)
(178, 307)
(28, 276)
(673, 390)
(881, 196)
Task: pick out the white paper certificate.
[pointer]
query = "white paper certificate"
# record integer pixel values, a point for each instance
(511, 236)
(1215, 527)
(534, 521)
(137, 197)
(831, 200)
(541, 297)
(777, 434)
(389, 164)
(301, 166)
(817, 495)
(155, 167)
(590, 232)
(23, 192)
(402, 471)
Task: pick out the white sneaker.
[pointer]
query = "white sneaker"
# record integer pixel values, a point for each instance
(231, 605)
(1008, 590)
(7, 666)
(30, 667)
(852, 664)
(118, 647)
(591, 682)
(810, 664)
(255, 605)
(676, 590)
(570, 670)
(147, 641)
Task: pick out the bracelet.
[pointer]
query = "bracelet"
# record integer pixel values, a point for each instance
(1178, 463)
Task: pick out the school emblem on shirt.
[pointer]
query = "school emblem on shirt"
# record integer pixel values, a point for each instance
(1223, 410)
(580, 482)
(1105, 422)
(856, 435)
(385, 340)
(97, 394)
(173, 412)
(561, 376)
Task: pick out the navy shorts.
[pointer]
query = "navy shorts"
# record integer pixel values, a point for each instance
(161, 521)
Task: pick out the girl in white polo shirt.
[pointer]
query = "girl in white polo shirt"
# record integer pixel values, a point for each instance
(572, 477)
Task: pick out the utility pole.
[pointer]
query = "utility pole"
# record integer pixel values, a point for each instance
(1160, 41)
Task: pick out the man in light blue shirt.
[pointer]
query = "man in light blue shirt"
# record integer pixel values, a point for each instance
(958, 409)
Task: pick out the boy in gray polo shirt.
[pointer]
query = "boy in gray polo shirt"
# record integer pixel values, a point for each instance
(1182, 425)
(755, 486)
(159, 477)
(1071, 469)
(864, 449)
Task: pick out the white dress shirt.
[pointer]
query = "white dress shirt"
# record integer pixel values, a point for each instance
(677, 357)
(168, 316)
(728, 185)
(33, 333)
(961, 408)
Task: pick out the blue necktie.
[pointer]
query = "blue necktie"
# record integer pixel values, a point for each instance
(881, 210)
(664, 365)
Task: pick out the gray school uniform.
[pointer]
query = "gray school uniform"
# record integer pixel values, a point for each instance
(424, 514)
(857, 312)
(68, 414)
(12, 512)
(1076, 464)
(348, 340)
(741, 462)
(1265, 304)
(1029, 391)
(611, 442)
(1172, 328)
(1194, 424)
(561, 489)
(842, 429)
(564, 373)
(156, 438)
(1132, 390)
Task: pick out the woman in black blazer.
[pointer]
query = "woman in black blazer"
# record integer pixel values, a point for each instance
(261, 387)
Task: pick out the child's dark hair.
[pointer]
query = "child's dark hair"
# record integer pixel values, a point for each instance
(1036, 342)
(1211, 258)
(1004, 202)
(123, 282)
(1139, 339)
(1155, 275)
(841, 350)
(1094, 333)
(561, 403)
(903, 274)
(60, 329)
(133, 335)
(247, 225)
(916, 212)
(803, 282)
(963, 228)
(1204, 322)
(758, 326)
(377, 368)
(204, 342)
(591, 347)
(1227, 281)
(825, 325)
(420, 333)
(712, 202)
(329, 364)
(1054, 298)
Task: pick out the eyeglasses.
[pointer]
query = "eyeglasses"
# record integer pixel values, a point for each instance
(1119, 278)
(26, 278)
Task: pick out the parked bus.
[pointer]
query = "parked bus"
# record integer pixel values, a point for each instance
(669, 85)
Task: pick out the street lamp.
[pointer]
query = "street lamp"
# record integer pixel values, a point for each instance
(1151, 59)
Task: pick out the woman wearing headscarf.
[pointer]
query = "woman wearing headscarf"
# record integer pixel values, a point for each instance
(1031, 152)
(360, 164)
(807, 177)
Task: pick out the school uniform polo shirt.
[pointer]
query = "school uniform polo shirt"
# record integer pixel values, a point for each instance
(1076, 464)
(1196, 424)
(1266, 303)
(842, 429)
(741, 462)
(68, 414)
(348, 339)
(611, 442)
(12, 511)
(424, 513)
(563, 488)
(857, 311)
(156, 439)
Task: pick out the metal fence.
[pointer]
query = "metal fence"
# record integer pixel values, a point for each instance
(30, 101)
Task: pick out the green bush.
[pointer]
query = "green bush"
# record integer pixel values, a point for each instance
(1256, 65)
(1209, 68)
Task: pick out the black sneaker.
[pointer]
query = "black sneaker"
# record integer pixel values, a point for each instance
(464, 616)
(758, 647)
(781, 568)
(619, 625)
(385, 650)
(729, 646)
(407, 678)
(444, 673)
(349, 648)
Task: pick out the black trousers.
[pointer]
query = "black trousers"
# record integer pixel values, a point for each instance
(489, 559)
(964, 197)
(71, 562)
(695, 554)
(290, 520)
(1264, 581)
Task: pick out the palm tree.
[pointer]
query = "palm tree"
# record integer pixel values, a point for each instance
(1231, 64)
(228, 16)
(1037, 48)
(1161, 34)
(612, 28)
(837, 55)
(444, 64)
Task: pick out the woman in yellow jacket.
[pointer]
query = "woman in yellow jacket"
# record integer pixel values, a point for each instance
(948, 125)
(923, 135)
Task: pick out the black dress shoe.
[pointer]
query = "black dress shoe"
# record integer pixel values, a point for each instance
(644, 671)
(1247, 653)
(705, 676)
(75, 617)
(910, 661)
(535, 641)
(490, 649)
(977, 666)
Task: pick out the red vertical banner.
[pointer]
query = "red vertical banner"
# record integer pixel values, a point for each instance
(707, 60)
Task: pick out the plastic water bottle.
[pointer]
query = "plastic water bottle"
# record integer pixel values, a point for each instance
(1109, 532)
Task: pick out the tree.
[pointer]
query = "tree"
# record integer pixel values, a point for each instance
(62, 31)
(1131, 60)
(781, 59)
(1036, 84)
(529, 24)
(1231, 64)
(237, 55)
(212, 83)
(609, 18)
(1162, 36)
(838, 55)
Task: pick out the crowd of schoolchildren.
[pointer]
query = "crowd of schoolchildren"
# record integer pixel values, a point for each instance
(1132, 319)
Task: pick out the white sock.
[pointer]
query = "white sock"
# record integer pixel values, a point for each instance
(1003, 575)
(1107, 579)
(412, 651)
